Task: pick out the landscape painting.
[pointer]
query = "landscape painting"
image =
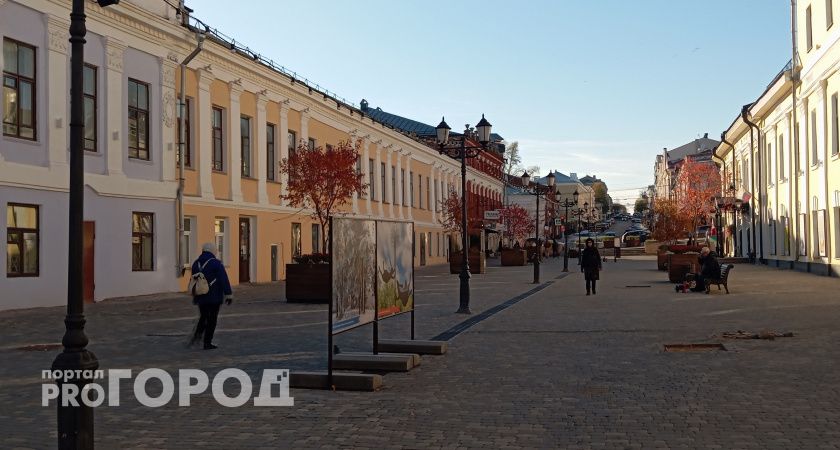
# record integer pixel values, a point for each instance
(394, 268)
(353, 273)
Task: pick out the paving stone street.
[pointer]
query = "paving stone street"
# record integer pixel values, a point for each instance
(557, 369)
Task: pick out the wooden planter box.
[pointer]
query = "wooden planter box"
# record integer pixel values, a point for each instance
(662, 260)
(478, 262)
(679, 265)
(309, 283)
(512, 257)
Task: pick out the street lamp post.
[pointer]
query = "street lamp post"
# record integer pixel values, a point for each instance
(566, 204)
(75, 423)
(537, 190)
(579, 214)
(463, 151)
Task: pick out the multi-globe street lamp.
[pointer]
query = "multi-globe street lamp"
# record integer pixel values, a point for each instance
(463, 151)
(567, 204)
(537, 190)
(579, 213)
(75, 423)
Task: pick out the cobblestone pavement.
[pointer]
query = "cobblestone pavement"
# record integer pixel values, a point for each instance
(558, 369)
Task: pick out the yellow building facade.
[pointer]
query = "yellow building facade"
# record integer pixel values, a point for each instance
(788, 160)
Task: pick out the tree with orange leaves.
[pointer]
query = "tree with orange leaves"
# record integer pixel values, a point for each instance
(669, 223)
(322, 180)
(697, 185)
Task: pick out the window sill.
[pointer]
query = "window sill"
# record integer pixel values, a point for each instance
(12, 275)
(274, 182)
(92, 153)
(33, 142)
(243, 177)
(816, 165)
(835, 156)
(147, 162)
(190, 168)
(220, 172)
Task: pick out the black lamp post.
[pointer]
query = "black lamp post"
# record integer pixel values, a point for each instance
(738, 205)
(463, 151)
(75, 423)
(537, 190)
(566, 204)
(579, 213)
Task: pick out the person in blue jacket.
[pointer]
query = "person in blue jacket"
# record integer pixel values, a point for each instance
(209, 303)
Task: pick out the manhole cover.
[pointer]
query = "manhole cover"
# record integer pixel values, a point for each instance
(694, 347)
(41, 347)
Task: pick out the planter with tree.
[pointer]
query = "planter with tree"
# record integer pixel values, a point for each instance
(451, 222)
(321, 181)
(518, 227)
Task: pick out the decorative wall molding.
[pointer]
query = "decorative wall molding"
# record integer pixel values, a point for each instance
(58, 30)
(114, 53)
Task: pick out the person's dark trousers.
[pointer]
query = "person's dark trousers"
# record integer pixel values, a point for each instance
(207, 322)
(590, 286)
(699, 283)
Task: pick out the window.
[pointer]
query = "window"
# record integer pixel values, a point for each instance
(411, 188)
(296, 247)
(245, 147)
(18, 89)
(89, 93)
(218, 141)
(382, 176)
(292, 142)
(371, 179)
(185, 146)
(220, 238)
(420, 190)
(359, 173)
(270, 163)
(402, 186)
(312, 144)
(393, 185)
(835, 126)
(188, 241)
(770, 172)
(292, 137)
(22, 229)
(829, 14)
(316, 238)
(809, 38)
(781, 149)
(142, 241)
(814, 151)
(138, 120)
(429, 196)
(429, 240)
(772, 236)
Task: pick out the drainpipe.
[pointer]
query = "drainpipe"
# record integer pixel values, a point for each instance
(755, 160)
(794, 76)
(182, 139)
(735, 251)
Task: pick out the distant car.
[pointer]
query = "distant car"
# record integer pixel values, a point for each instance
(642, 234)
(609, 233)
(702, 231)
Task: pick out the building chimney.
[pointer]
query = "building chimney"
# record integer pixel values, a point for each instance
(363, 105)
(705, 135)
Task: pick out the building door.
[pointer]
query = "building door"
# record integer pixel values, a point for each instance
(274, 263)
(422, 249)
(244, 250)
(87, 258)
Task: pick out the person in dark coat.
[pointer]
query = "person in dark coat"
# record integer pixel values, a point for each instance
(709, 269)
(590, 264)
(209, 303)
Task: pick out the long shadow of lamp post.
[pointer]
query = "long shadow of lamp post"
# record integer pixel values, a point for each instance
(75, 423)
(463, 151)
(537, 190)
(566, 204)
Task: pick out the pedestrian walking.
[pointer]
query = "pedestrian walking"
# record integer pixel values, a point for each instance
(210, 287)
(590, 264)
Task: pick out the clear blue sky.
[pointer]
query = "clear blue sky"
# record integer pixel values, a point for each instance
(591, 87)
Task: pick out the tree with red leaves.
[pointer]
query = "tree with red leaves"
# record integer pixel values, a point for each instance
(697, 185)
(518, 223)
(322, 180)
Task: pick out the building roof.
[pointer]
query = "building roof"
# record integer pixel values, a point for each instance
(407, 125)
(697, 146)
(559, 178)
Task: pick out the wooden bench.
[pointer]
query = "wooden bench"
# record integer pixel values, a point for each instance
(724, 278)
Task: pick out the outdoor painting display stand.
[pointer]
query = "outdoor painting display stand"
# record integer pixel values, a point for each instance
(387, 355)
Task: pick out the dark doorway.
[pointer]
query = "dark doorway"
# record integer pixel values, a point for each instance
(274, 263)
(244, 250)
